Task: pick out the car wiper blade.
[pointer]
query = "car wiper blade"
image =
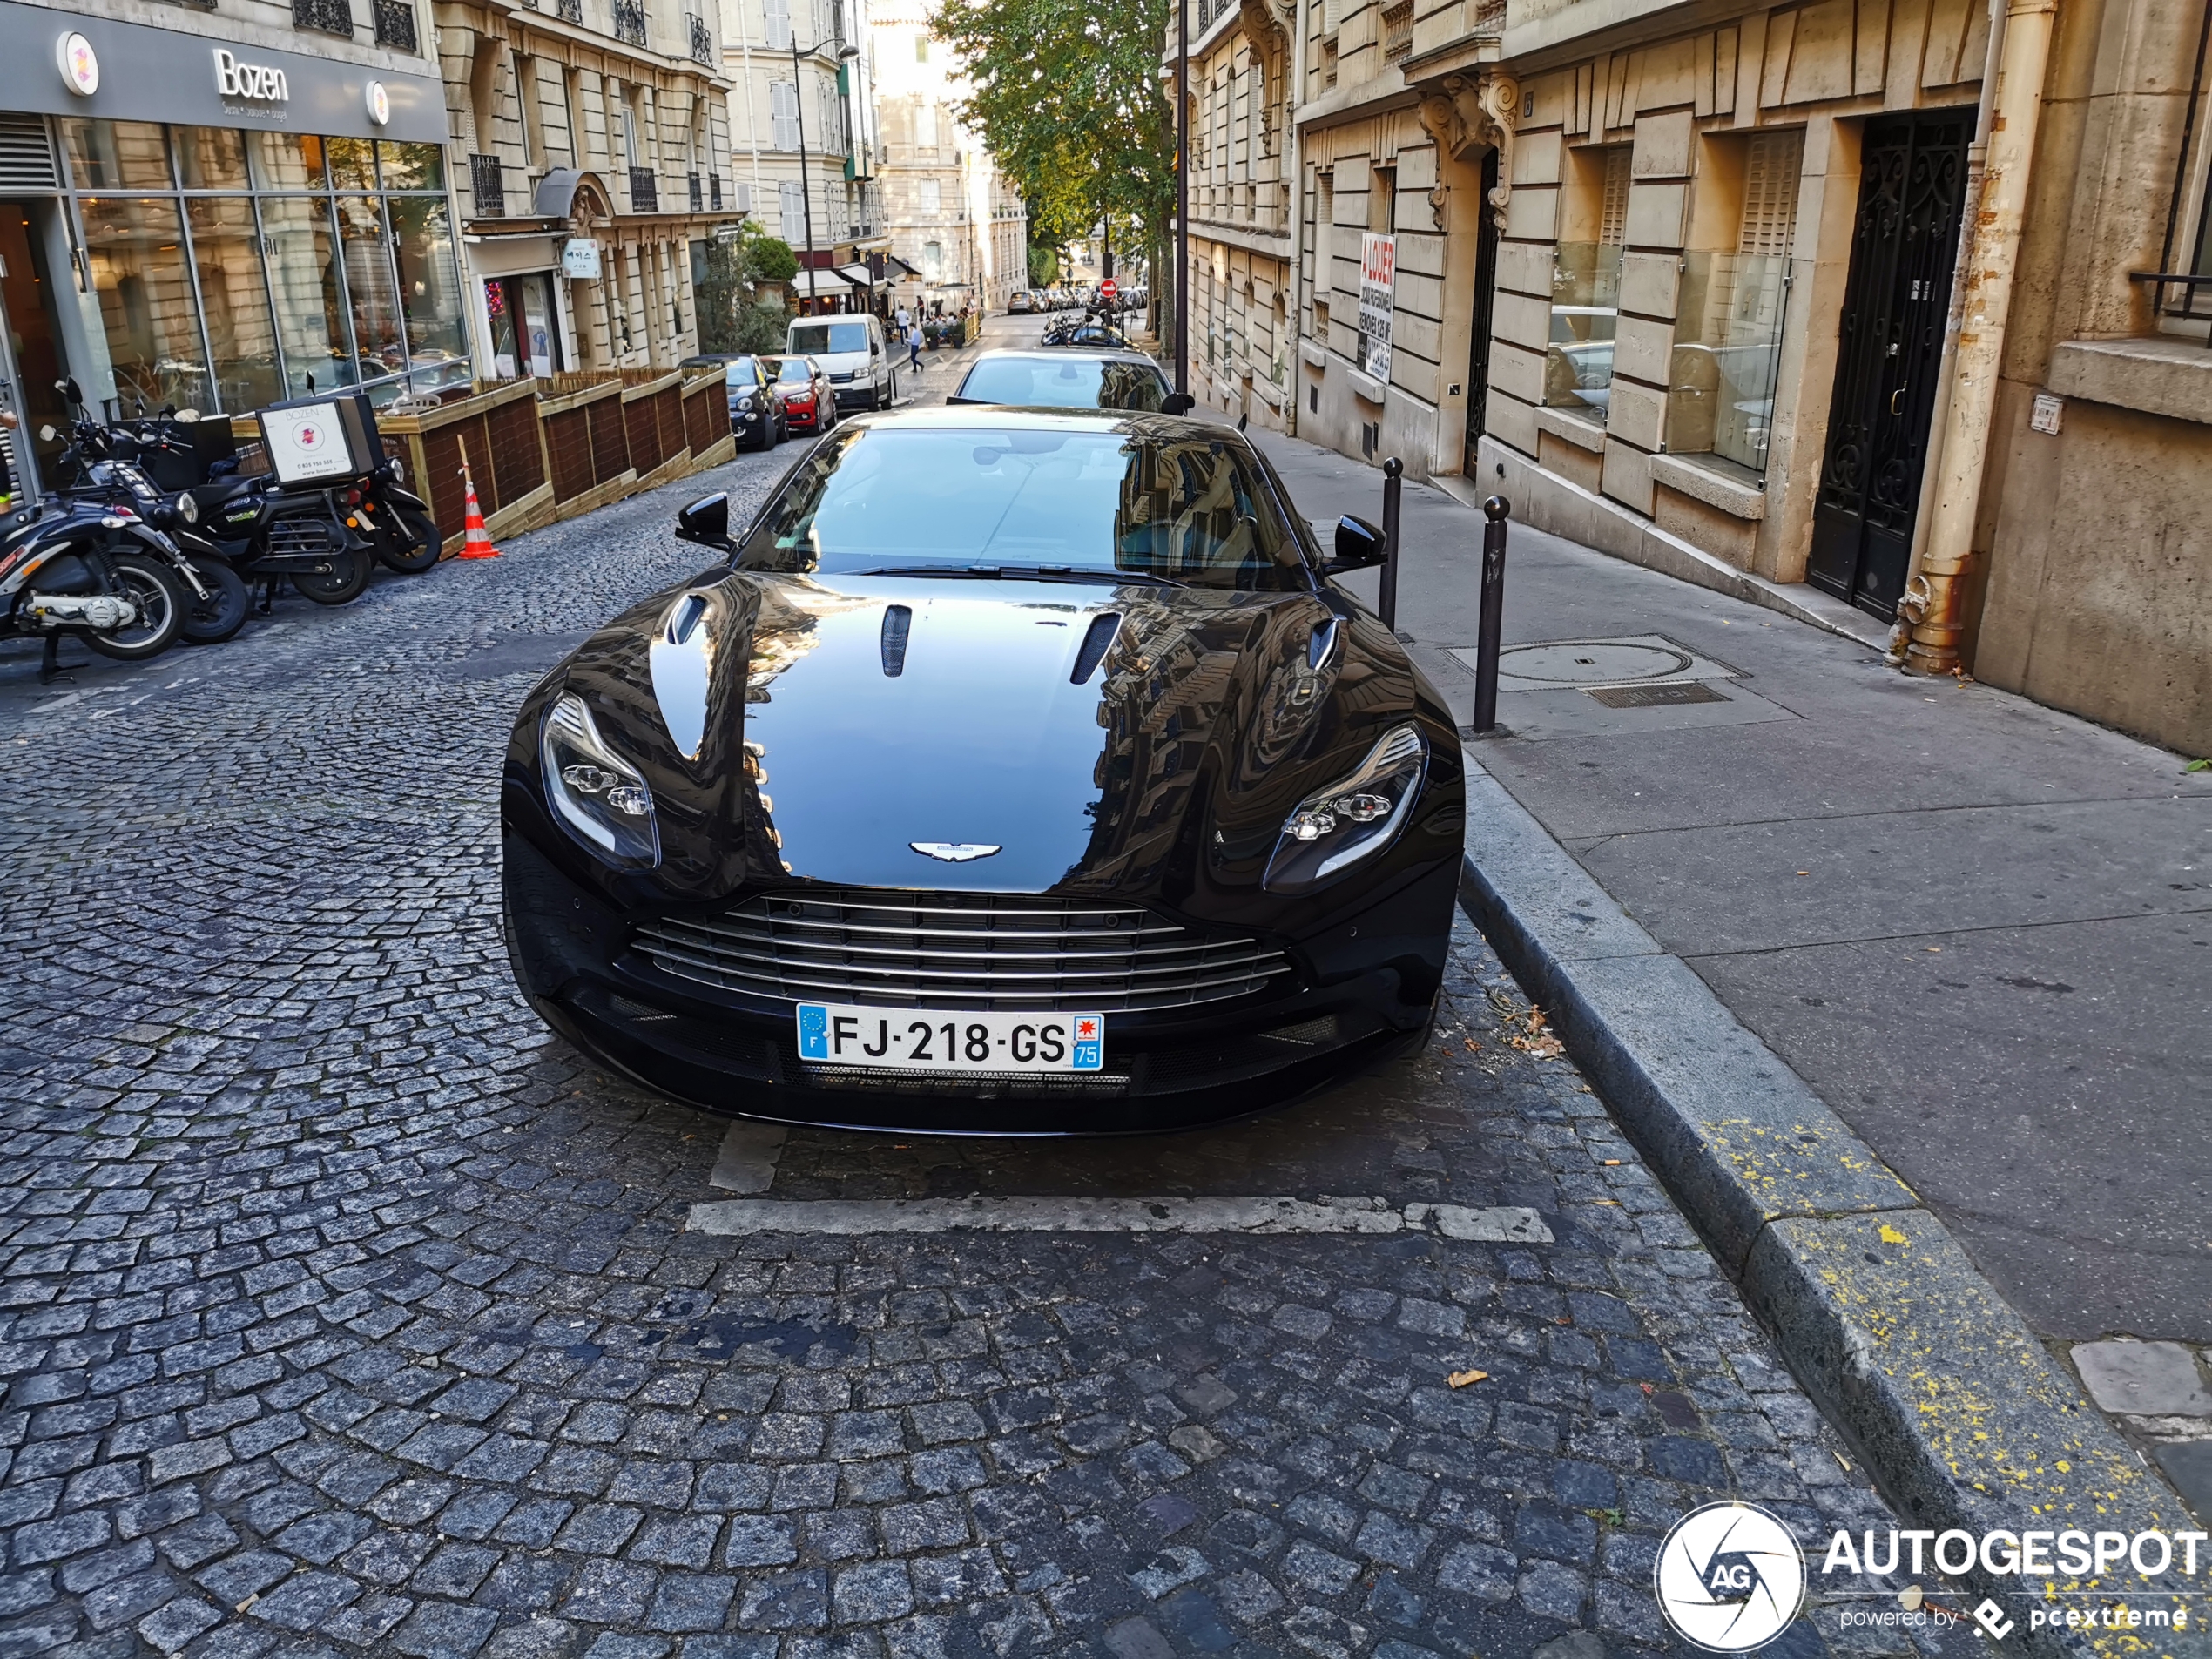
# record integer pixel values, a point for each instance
(1030, 573)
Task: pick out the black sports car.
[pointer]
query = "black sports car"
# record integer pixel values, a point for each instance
(1020, 771)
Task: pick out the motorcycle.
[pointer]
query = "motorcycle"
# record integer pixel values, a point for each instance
(399, 524)
(93, 568)
(214, 594)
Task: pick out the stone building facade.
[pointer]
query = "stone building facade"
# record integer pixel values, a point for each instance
(949, 216)
(1809, 303)
(823, 98)
(590, 150)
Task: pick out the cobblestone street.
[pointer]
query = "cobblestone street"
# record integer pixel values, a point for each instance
(345, 1310)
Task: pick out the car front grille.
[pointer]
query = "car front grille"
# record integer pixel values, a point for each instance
(947, 950)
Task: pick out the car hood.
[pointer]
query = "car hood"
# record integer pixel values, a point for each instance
(831, 724)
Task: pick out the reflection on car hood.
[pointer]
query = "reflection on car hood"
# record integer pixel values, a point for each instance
(1206, 721)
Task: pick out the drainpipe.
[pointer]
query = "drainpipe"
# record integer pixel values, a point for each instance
(1930, 471)
(1294, 219)
(1932, 602)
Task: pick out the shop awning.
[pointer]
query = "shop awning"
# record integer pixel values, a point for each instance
(858, 275)
(820, 285)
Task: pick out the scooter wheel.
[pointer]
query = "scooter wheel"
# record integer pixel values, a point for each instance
(342, 584)
(423, 544)
(222, 613)
(160, 599)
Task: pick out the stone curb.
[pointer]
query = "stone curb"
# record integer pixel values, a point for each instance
(1963, 1418)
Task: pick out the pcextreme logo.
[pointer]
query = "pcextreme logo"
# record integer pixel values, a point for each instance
(1729, 1577)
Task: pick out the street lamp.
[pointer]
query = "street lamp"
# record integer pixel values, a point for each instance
(845, 54)
(1182, 198)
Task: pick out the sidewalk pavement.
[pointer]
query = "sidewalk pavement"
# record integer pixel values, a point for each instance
(1980, 930)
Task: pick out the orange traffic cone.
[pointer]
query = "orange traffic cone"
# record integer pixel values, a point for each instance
(475, 540)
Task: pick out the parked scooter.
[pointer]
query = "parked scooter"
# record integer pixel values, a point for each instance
(91, 568)
(214, 594)
(397, 524)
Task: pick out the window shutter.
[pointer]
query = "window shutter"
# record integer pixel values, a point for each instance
(783, 113)
(1331, 15)
(779, 16)
(931, 197)
(1770, 174)
(790, 203)
(1613, 217)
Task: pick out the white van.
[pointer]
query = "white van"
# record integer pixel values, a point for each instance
(851, 351)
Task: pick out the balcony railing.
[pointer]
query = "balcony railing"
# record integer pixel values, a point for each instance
(630, 22)
(644, 191)
(702, 38)
(569, 10)
(395, 25)
(486, 187)
(695, 189)
(333, 17)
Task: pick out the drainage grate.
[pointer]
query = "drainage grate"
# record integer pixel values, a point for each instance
(1652, 696)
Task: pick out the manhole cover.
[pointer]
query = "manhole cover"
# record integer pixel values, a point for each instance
(1593, 662)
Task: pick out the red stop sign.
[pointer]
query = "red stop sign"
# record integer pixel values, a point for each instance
(1107, 290)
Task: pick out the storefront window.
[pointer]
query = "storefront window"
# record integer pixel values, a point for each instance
(369, 287)
(303, 270)
(210, 158)
(234, 300)
(116, 155)
(353, 164)
(286, 161)
(429, 290)
(311, 263)
(413, 166)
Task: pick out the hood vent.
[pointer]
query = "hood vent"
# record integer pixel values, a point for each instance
(898, 624)
(1096, 642)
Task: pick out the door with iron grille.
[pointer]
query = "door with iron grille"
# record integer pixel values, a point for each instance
(1485, 289)
(1911, 193)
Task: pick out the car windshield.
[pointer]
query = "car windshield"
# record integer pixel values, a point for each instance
(796, 371)
(741, 372)
(829, 336)
(1161, 503)
(1064, 383)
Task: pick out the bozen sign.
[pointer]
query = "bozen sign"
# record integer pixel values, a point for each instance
(257, 82)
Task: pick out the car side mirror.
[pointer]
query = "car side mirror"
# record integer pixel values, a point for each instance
(1177, 403)
(707, 521)
(1359, 546)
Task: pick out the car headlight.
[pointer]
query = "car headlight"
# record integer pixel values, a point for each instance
(745, 402)
(600, 798)
(187, 508)
(1352, 820)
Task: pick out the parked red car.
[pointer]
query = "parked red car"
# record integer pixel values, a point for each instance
(810, 404)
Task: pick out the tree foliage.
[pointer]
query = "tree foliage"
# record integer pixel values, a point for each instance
(1067, 95)
(731, 317)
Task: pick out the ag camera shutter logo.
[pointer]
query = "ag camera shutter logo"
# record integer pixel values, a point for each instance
(1729, 1577)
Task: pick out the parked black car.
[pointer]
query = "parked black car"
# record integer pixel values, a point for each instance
(1014, 772)
(756, 413)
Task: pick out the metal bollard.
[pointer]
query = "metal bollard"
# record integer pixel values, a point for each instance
(1387, 606)
(1493, 614)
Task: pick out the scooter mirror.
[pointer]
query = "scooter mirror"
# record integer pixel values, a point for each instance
(70, 390)
(185, 417)
(46, 434)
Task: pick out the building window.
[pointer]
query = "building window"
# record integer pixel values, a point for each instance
(229, 286)
(933, 259)
(2180, 289)
(783, 114)
(1586, 281)
(778, 19)
(1734, 299)
(932, 196)
(921, 49)
(925, 126)
(790, 207)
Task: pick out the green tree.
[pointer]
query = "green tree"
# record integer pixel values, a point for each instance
(1067, 95)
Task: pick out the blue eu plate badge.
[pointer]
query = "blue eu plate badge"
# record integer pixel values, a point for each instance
(814, 1031)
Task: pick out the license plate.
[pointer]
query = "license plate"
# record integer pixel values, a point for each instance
(842, 1034)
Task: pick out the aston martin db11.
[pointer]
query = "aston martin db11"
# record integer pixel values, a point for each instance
(1014, 772)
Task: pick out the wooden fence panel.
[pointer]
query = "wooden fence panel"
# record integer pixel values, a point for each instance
(568, 435)
(644, 433)
(610, 441)
(704, 401)
(668, 415)
(511, 436)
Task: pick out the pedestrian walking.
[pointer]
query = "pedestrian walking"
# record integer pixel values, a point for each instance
(914, 346)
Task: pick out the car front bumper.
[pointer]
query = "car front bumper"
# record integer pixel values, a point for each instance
(735, 1053)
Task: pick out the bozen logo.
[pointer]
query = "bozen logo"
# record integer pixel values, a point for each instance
(257, 82)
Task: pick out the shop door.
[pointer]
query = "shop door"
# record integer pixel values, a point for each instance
(540, 340)
(1910, 194)
(33, 358)
(1486, 293)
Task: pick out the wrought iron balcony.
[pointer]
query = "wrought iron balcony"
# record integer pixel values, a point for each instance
(487, 187)
(333, 17)
(644, 191)
(630, 22)
(569, 10)
(702, 38)
(696, 190)
(395, 25)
